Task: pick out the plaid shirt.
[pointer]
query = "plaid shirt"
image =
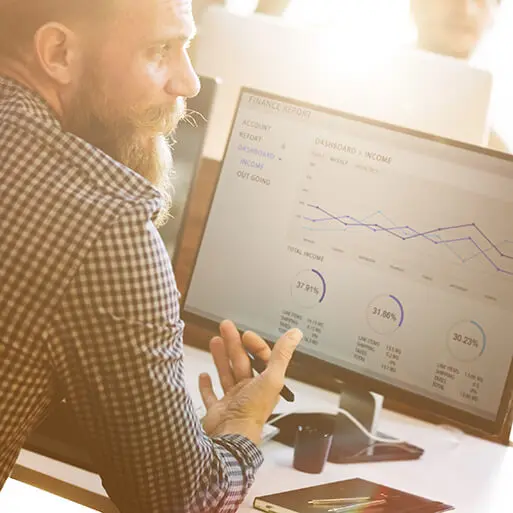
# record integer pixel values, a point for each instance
(89, 312)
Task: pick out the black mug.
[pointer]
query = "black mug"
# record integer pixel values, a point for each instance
(311, 448)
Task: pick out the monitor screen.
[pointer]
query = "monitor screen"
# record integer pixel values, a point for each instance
(390, 249)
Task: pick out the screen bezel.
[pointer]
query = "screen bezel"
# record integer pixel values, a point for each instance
(310, 369)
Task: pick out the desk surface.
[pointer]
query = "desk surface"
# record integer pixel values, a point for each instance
(17, 497)
(472, 474)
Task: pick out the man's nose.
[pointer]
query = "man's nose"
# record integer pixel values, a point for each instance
(184, 82)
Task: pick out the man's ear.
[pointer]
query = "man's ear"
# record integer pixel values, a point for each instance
(56, 50)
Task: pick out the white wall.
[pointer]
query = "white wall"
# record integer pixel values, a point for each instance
(386, 23)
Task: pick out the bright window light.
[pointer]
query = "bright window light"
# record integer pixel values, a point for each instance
(368, 26)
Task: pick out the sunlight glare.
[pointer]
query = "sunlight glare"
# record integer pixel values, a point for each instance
(355, 34)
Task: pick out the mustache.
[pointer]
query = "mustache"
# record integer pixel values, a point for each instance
(162, 119)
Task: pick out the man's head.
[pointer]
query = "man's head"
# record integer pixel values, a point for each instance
(452, 27)
(115, 71)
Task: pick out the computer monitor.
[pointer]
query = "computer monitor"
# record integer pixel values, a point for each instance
(392, 251)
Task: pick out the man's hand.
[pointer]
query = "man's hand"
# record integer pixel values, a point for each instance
(248, 400)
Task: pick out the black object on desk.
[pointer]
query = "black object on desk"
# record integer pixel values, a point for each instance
(396, 501)
(359, 450)
(311, 449)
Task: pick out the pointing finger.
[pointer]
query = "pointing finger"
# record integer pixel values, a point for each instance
(282, 353)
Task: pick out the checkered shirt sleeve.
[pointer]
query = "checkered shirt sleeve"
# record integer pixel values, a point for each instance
(115, 342)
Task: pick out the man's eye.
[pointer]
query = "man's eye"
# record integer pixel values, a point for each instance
(161, 51)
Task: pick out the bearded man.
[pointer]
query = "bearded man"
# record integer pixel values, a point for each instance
(89, 312)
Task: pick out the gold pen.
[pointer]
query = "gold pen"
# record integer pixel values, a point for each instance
(355, 506)
(341, 500)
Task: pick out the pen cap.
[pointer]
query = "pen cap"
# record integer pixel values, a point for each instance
(311, 448)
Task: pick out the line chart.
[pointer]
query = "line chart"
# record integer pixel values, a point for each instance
(483, 245)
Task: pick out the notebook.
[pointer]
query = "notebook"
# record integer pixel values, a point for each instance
(397, 501)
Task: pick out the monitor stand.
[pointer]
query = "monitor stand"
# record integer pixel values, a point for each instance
(350, 444)
(366, 407)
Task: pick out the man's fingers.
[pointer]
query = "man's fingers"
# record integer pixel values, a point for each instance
(239, 360)
(207, 391)
(256, 346)
(222, 363)
(282, 353)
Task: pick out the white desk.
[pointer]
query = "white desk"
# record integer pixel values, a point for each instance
(473, 475)
(17, 497)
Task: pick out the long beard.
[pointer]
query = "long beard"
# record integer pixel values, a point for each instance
(154, 161)
(136, 140)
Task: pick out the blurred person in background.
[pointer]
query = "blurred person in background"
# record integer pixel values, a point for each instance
(455, 28)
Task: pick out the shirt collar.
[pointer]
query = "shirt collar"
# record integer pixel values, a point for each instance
(33, 103)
